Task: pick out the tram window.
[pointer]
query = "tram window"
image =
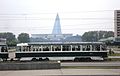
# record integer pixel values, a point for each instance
(25, 48)
(97, 47)
(56, 48)
(33, 49)
(93, 48)
(19, 48)
(87, 47)
(36, 48)
(29, 48)
(39, 49)
(46, 48)
(6, 49)
(78, 49)
(66, 48)
(83, 48)
(103, 47)
(75, 47)
(2, 49)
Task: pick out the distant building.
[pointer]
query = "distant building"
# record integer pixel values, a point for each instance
(117, 25)
(55, 36)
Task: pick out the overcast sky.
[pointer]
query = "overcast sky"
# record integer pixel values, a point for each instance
(38, 16)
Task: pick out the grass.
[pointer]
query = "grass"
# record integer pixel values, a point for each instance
(115, 54)
(113, 59)
(90, 67)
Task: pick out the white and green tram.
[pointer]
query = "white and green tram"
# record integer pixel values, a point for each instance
(61, 50)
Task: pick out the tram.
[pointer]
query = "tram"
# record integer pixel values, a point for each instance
(61, 50)
(3, 49)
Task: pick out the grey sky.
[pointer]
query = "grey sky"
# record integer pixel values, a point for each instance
(37, 16)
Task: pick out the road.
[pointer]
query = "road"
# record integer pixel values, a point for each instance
(90, 63)
(69, 72)
(63, 72)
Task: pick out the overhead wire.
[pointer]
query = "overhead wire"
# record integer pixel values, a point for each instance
(25, 17)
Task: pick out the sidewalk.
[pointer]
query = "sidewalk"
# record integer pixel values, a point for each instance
(63, 72)
(113, 56)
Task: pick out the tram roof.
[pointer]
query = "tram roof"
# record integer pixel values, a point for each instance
(22, 44)
(52, 43)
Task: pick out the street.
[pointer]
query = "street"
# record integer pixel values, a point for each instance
(63, 72)
(90, 64)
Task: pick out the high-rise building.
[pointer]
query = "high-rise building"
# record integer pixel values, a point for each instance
(57, 26)
(117, 24)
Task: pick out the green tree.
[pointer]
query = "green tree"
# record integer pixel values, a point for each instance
(23, 38)
(93, 36)
(10, 38)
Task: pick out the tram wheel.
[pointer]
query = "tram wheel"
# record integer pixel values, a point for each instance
(34, 59)
(76, 59)
(88, 59)
(12, 59)
(4, 59)
(40, 59)
(47, 59)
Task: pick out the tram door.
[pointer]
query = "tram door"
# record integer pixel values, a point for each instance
(11, 54)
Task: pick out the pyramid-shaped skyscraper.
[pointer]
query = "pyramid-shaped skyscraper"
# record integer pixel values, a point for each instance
(57, 27)
(55, 36)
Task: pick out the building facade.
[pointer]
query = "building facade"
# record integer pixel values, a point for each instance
(117, 23)
(51, 36)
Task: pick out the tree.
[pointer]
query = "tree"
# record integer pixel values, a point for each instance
(93, 36)
(10, 38)
(23, 38)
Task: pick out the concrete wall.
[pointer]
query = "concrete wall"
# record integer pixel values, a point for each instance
(28, 65)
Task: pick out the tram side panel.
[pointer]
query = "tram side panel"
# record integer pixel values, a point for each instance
(62, 54)
(4, 55)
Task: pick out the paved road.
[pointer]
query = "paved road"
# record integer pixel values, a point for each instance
(90, 64)
(62, 72)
